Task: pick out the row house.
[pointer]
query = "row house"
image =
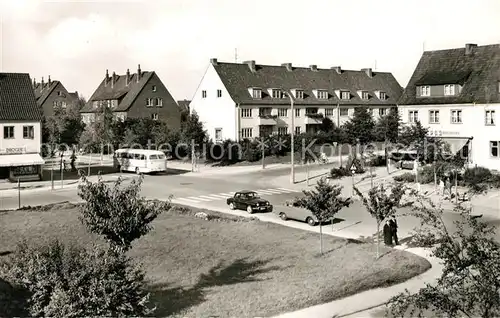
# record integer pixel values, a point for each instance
(456, 94)
(247, 100)
(20, 126)
(52, 96)
(137, 95)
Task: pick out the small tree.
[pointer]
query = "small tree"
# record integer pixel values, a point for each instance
(324, 203)
(469, 285)
(118, 213)
(382, 205)
(360, 128)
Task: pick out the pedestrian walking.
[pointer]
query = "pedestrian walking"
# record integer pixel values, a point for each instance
(394, 229)
(387, 234)
(441, 187)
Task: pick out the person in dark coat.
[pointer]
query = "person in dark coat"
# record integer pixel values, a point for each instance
(394, 229)
(387, 234)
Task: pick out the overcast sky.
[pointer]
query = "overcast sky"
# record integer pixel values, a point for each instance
(76, 41)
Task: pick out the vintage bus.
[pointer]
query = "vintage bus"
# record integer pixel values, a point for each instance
(140, 160)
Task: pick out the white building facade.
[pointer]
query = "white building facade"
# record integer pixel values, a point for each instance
(237, 101)
(456, 94)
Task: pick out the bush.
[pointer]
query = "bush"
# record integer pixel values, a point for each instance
(477, 175)
(252, 150)
(426, 175)
(378, 161)
(405, 177)
(337, 173)
(74, 282)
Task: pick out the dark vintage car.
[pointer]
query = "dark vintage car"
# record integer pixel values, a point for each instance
(249, 201)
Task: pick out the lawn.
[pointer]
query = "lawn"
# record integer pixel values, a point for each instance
(229, 266)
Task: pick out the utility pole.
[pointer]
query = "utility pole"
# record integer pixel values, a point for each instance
(263, 143)
(292, 140)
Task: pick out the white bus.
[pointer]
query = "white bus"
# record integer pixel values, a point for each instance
(140, 161)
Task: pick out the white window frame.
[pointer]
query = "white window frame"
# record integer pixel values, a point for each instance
(456, 116)
(282, 112)
(257, 93)
(282, 131)
(246, 132)
(297, 130)
(425, 91)
(219, 93)
(154, 116)
(276, 93)
(297, 112)
(159, 102)
(449, 90)
(9, 135)
(365, 95)
(203, 94)
(28, 132)
(149, 102)
(345, 95)
(328, 111)
(433, 116)
(489, 117)
(413, 116)
(343, 112)
(153, 88)
(246, 113)
(494, 144)
(299, 94)
(218, 131)
(382, 112)
(322, 94)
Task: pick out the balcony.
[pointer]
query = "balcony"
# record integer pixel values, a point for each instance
(313, 119)
(267, 119)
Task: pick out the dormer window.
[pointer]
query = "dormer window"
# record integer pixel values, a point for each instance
(256, 93)
(425, 91)
(345, 95)
(299, 94)
(365, 95)
(277, 93)
(382, 95)
(322, 94)
(449, 90)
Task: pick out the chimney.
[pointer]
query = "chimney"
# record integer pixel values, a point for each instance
(113, 77)
(139, 73)
(127, 77)
(43, 84)
(337, 69)
(251, 65)
(368, 71)
(313, 67)
(469, 48)
(213, 61)
(50, 82)
(34, 82)
(106, 79)
(288, 66)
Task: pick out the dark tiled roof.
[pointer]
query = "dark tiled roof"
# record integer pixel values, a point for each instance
(42, 91)
(74, 95)
(120, 89)
(184, 104)
(238, 78)
(17, 98)
(478, 72)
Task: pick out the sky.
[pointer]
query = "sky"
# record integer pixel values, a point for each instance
(76, 41)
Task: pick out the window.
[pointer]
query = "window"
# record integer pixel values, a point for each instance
(159, 102)
(218, 134)
(246, 113)
(365, 95)
(257, 93)
(413, 116)
(328, 112)
(246, 133)
(433, 116)
(219, 93)
(276, 93)
(149, 102)
(297, 112)
(345, 95)
(299, 94)
(322, 95)
(449, 90)
(425, 91)
(494, 148)
(344, 112)
(490, 118)
(63, 104)
(282, 112)
(382, 96)
(265, 112)
(203, 94)
(154, 116)
(382, 112)
(282, 131)
(59, 93)
(28, 132)
(456, 116)
(153, 88)
(8, 132)
(297, 130)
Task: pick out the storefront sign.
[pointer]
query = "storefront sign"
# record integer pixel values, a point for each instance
(440, 133)
(11, 151)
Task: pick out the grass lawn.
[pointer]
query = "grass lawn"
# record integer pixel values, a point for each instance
(230, 267)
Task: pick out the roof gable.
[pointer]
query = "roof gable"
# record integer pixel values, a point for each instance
(17, 98)
(476, 68)
(239, 78)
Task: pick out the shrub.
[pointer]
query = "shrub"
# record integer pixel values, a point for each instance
(477, 175)
(378, 161)
(337, 173)
(74, 282)
(426, 174)
(252, 151)
(405, 177)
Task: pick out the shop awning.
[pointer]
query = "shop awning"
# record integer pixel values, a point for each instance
(455, 144)
(31, 159)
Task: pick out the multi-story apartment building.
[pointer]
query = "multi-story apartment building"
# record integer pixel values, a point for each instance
(52, 95)
(137, 95)
(237, 101)
(456, 94)
(20, 124)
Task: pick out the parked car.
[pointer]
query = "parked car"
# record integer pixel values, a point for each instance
(249, 201)
(298, 214)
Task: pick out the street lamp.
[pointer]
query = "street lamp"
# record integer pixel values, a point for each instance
(292, 140)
